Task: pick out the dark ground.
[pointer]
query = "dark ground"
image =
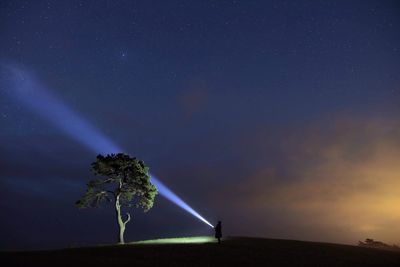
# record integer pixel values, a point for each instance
(237, 251)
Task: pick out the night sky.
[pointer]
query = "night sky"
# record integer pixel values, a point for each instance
(280, 118)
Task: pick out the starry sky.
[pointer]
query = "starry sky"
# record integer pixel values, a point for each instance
(280, 118)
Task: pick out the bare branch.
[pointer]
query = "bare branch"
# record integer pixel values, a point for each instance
(127, 219)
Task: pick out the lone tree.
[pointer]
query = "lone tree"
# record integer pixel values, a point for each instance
(125, 181)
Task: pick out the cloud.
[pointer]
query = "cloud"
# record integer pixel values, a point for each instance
(192, 101)
(336, 180)
(46, 188)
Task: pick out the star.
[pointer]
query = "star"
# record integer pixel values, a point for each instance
(123, 56)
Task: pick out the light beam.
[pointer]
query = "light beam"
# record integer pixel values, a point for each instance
(29, 91)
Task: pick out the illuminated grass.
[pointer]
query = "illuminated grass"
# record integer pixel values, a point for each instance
(178, 240)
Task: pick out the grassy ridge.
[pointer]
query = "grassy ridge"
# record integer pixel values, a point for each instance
(238, 251)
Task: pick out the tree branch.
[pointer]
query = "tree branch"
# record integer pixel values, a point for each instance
(111, 192)
(127, 219)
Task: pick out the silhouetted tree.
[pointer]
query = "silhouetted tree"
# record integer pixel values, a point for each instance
(371, 243)
(125, 181)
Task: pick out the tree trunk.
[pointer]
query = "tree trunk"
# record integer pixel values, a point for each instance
(121, 224)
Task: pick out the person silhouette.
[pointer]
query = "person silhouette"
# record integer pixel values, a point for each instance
(218, 231)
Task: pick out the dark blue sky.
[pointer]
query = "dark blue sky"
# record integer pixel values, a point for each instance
(228, 102)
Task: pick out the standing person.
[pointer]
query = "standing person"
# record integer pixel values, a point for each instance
(218, 231)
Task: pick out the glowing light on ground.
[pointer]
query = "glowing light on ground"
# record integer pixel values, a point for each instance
(178, 240)
(24, 87)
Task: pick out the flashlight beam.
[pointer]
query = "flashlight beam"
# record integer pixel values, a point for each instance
(27, 90)
(177, 200)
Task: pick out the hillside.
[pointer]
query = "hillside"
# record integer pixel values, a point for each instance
(201, 251)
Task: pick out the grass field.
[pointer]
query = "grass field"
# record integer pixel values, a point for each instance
(203, 251)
